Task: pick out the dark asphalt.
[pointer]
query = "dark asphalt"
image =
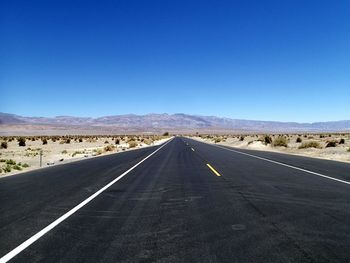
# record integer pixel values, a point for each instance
(172, 208)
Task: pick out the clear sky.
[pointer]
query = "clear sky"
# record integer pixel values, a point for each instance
(266, 60)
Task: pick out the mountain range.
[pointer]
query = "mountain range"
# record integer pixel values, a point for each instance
(160, 122)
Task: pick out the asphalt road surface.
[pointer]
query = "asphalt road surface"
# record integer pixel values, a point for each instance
(186, 202)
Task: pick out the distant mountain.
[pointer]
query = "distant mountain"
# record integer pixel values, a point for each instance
(172, 122)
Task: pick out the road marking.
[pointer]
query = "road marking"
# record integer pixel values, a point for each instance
(59, 220)
(286, 165)
(213, 170)
(192, 149)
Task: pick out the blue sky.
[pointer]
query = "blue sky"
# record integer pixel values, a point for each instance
(266, 60)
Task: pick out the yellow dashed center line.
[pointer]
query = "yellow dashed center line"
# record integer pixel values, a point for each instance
(213, 170)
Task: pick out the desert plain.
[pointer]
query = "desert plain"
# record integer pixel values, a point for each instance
(25, 153)
(330, 146)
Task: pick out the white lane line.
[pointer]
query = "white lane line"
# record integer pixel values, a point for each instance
(286, 165)
(59, 220)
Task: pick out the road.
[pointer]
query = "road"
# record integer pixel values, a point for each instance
(187, 202)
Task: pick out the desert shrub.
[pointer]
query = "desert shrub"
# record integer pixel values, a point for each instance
(147, 141)
(166, 134)
(3, 145)
(7, 168)
(108, 148)
(331, 144)
(217, 139)
(280, 141)
(131, 139)
(267, 139)
(64, 152)
(10, 162)
(80, 139)
(25, 165)
(311, 144)
(75, 153)
(106, 142)
(132, 144)
(22, 141)
(2, 160)
(342, 141)
(348, 150)
(298, 140)
(98, 151)
(44, 141)
(117, 141)
(17, 167)
(241, 138)
(67, 141)
(321, 135)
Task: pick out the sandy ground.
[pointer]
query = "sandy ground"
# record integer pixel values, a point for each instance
(55, 153)
(341, 152)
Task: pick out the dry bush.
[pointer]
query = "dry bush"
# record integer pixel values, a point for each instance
(98, 151)
(331, 144)
(311, 144)
(267, 139)
(3, 145)
(280, 141)
(76, 152)
(298, 140)
(109, 148)
(7, 168)
(217, 139)
(342, 141)
(132, 144)
(148, 141)
(21, 141)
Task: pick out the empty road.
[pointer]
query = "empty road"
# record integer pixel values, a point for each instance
(183, 201)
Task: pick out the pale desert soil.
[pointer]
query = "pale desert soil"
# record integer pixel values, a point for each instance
(54, 153)
(255, 142)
